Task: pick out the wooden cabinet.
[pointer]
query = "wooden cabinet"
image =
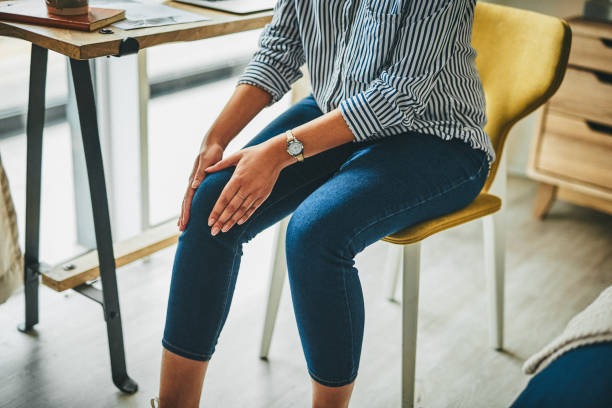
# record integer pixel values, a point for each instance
(571, 154)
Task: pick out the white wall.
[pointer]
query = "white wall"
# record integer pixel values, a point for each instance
(519, 140)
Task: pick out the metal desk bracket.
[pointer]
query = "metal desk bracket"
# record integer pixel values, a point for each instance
(91, 292)
(128, 46)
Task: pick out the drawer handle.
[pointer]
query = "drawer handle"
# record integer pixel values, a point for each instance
(603, 77)
(607, 42)
(598, 127)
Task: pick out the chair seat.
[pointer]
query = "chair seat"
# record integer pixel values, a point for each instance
(484, 204)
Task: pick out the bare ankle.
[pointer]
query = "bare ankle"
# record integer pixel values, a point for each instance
(181, 381)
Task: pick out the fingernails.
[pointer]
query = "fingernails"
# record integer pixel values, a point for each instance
(225, 228)
(214, 231)
(194, 184)
(240, 221)
(211, 221)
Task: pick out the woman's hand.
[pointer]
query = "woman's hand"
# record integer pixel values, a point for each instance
(209, 155)
(257, 169)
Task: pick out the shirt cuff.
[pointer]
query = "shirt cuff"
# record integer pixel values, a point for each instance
(369, 112)
(268, 78)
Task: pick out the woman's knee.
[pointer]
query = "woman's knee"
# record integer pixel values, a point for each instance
(313, 236)
(205, 197)
(298, 245)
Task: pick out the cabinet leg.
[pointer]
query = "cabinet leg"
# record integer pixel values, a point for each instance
(83, 86)
(545, 197)
(34, 131)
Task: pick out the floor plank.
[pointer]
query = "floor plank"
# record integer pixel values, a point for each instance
(555, 268)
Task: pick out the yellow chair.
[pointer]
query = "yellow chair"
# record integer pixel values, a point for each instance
(522, 57)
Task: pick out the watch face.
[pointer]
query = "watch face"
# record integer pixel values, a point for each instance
(294, 147)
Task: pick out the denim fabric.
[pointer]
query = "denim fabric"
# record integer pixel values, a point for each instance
(579, 378)
(342, 200)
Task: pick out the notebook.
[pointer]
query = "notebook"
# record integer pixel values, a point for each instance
(234, 6)
(35, 12)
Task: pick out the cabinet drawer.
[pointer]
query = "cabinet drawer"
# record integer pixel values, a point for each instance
(576, 150)
(592, 52)
(587, 94)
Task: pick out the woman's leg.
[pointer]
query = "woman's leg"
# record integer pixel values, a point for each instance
(331, 397)
(381, 188)
(181, 380)
(206, 267)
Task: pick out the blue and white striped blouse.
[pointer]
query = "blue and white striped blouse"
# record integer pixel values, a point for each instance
(389, 65)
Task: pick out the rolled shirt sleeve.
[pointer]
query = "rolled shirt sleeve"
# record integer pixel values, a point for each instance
(425, 44)
(276, 64)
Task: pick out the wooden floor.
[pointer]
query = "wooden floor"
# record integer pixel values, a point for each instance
(554, 269)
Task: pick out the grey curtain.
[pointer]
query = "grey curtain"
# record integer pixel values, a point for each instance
(11, 260)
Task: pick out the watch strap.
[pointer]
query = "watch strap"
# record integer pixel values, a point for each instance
(289, 135)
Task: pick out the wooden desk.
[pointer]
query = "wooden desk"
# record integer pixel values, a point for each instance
(79, 47)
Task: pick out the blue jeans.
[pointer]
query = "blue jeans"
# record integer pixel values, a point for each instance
(579, 378)
(342, 200)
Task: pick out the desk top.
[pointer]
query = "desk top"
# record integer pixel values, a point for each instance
(83, 45)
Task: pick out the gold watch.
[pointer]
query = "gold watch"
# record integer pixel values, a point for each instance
(294, 147)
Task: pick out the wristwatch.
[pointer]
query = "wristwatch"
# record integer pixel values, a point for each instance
(294, 146)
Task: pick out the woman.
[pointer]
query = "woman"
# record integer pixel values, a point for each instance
(392, 135)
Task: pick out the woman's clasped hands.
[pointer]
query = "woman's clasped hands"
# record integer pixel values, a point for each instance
(256, 172)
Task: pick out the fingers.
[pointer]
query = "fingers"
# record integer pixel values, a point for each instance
(228, 193)
(198, 175)
(237, 204)
(206, 157)
(240, 216)
(222, 164)
(250, 211)
(244, 192)
(194, 180)
(186, 208)
(247, 203)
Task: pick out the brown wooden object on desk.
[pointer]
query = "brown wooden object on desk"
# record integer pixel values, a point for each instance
(571, 154)
(35, 12)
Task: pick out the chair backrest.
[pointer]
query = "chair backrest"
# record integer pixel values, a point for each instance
(522, 57)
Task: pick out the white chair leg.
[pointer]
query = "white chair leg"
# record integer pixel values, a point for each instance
(495, 259)
(277, 279)
(393, 268)
(410, 309)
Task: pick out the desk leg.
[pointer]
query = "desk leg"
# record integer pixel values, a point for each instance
(83, 87)
(34, 131)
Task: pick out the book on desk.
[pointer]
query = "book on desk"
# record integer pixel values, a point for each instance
(35, 12)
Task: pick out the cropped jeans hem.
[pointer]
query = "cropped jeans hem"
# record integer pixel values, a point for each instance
(332, 383)
(185, 353)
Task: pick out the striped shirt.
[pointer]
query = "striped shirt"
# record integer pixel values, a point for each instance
(389, 66)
